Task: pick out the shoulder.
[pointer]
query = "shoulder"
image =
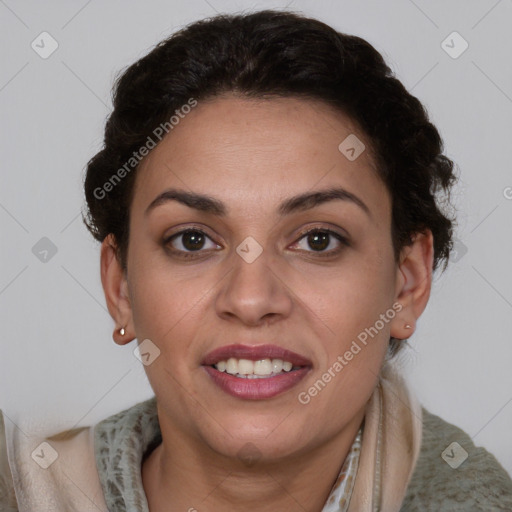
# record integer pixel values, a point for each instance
(7, 495)
(452, 474)
(69, 480)
(22, 484)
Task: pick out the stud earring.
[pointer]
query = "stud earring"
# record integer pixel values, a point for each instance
(407, 326)
(122, 331)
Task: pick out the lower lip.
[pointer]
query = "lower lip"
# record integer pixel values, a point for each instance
(256, 389)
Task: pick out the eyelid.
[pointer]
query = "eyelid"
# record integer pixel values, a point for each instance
(188, 227)
(166, 242)
(326, 228)
(343, 239)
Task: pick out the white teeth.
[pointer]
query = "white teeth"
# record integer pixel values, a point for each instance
(263, 367)
(245, 368)
(277, 365)
(231, 366)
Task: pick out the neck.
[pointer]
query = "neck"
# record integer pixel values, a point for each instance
(179, 476)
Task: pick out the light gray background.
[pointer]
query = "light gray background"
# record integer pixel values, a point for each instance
(59, 366)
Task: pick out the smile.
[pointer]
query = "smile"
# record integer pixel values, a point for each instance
(261, 369)
(255, 372)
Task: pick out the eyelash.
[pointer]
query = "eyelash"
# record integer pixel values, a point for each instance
(194, 254)
(326, 254)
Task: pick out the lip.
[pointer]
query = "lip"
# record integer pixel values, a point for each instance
(255, 389)
(254, 353)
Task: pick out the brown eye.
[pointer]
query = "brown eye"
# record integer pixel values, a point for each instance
(190, 240)
(193, 240)
(319, 240)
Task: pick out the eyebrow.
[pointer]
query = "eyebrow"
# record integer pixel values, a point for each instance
(302, 202)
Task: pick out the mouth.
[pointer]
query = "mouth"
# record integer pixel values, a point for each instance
(260, 369)
(255, 372)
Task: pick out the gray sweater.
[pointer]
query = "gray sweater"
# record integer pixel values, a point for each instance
(447, 477)
(479, 483)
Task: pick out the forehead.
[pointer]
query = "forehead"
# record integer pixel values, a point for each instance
(245, 151)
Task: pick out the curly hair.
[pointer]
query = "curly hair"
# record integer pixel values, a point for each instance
(275, 54)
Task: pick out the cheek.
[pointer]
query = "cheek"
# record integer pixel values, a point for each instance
(163, 304)
(355, 303)
(355, 293)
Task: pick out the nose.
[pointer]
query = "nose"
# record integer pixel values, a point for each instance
(255, 293)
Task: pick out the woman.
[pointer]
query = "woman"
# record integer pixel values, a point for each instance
(267, 200)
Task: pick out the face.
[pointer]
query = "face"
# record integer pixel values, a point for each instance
(261, 272)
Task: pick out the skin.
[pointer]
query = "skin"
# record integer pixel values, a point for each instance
(252, 155)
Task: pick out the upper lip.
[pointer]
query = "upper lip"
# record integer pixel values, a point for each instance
(254, 353)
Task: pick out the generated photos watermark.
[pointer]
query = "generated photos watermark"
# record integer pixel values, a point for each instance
(152, 140)
(343, 360)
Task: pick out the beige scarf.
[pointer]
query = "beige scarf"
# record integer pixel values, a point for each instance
(390, 446)
(389, 450)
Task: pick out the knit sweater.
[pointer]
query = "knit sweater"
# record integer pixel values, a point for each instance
(451, 473)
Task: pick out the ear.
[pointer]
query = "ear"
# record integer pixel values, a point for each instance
(115, 287)
(413, 283)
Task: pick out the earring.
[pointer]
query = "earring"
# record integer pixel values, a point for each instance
(121, 331)
(407, 326)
